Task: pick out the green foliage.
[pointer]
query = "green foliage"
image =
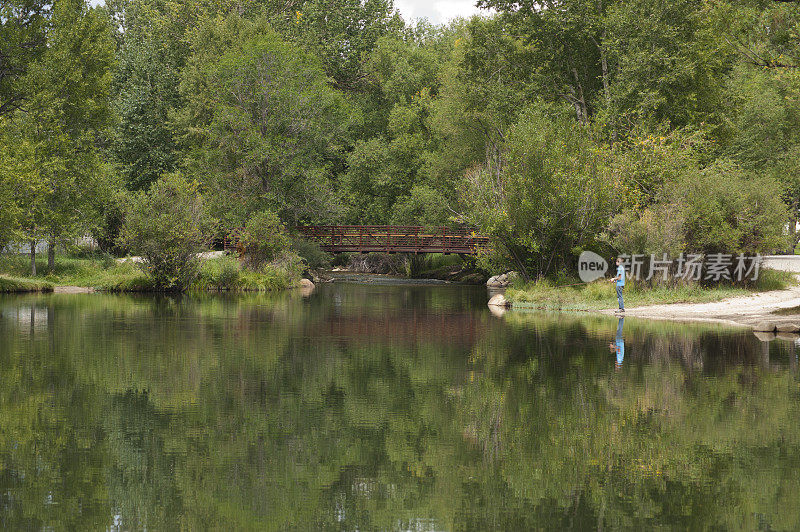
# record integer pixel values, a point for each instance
(221, 274)
(15, 284)
(17, 182)
(484, 86)
(342, 33)
(263, 239)
(52, 159)
(311, 253)
(385, 167)
(564, 48)
(546, 197)
(22, 41)
(143, 143)
(666, 62)
(267, 123)
(554, 126)
(167, 227)
(729, 210)
(423, 206)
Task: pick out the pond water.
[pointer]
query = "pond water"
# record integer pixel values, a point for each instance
(377, 407)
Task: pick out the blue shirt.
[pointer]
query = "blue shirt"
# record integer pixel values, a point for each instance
(621, 273)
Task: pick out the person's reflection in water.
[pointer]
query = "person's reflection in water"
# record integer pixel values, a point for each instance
(618, 347)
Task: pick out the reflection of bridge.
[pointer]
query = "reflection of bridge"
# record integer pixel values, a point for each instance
(462, 329)
(394, 239)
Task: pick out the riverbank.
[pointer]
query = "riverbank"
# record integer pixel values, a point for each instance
(776, 309)
(774, 291)
(105, 274)
(13, 284)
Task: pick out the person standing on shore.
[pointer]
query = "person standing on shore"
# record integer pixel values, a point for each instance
(620, 280)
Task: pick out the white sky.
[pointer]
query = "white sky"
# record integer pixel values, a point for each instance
(437, 11)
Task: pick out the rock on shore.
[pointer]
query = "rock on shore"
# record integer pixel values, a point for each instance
(502, 280)
(499, 300)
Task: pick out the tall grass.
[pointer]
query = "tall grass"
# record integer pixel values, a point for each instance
(98, 271)
(15, 284)
(106, 274)
(545, 294)
(227, 274)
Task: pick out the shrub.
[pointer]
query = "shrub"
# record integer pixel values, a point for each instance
(312, 253)
(168, 226)
(717, 209)
(223, 274)
(731, 211)
(263, 239)
(545, 195)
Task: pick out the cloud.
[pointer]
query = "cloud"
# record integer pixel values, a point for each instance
(437, 11)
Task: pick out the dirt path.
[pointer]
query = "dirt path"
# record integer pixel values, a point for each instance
(744, 310)
(72, 290)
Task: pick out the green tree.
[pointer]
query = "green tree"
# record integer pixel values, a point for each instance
(545, 197)
(764, 117)
(268, 126)
(22, 41)
(566, 44)
(763, 33)
(168, 226)
(148, 76)
(668, 62)
(484, 85)
(343, 34)
(263, 239)
(17, 179)
(66, 110)
(384, 171)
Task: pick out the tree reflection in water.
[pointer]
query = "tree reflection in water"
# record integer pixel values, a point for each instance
(374, 407)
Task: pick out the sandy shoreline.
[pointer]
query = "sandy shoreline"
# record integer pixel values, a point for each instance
(745, 311)
(73, 290)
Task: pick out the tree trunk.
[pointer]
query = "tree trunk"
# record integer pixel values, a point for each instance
(33, 258)
(51, 255)
(601, 46)
(604, 66)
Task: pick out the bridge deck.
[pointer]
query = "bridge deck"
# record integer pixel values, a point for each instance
(394, 239)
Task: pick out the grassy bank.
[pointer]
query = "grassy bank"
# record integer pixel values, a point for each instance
(106, 274)
(15, 284)
(92, 271)
(226, 274)
(546, 295)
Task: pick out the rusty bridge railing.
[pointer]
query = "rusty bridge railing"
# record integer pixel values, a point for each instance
(394, 239)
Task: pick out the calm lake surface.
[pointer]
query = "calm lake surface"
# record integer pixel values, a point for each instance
(394, 407)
